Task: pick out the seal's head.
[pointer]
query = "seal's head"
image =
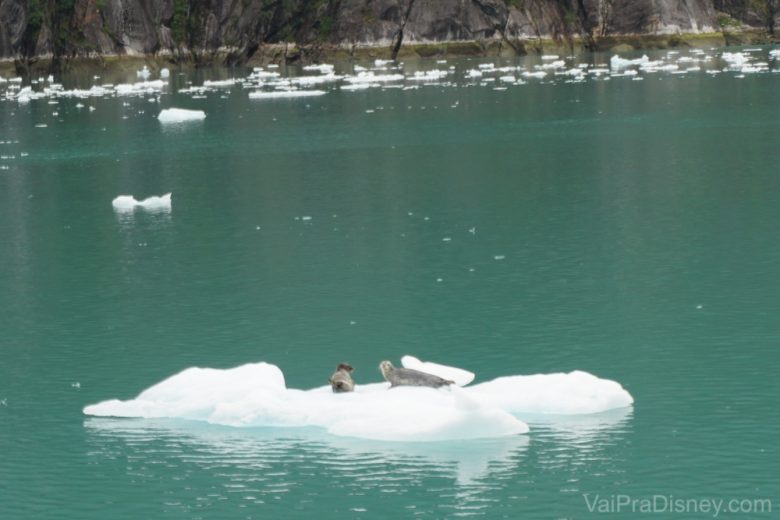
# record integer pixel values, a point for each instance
(345, 367)
(386, 368)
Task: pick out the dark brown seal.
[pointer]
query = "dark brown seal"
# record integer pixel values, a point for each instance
(341, 380)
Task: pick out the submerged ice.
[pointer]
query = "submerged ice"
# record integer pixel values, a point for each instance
(255, 395)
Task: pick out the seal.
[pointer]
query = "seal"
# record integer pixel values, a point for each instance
(341, 380)
(410, 377)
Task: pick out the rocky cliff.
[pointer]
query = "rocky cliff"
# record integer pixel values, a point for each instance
(234, 30)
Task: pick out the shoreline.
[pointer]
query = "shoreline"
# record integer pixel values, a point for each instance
(290, 53)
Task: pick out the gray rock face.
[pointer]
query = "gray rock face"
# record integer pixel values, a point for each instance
(13, 21)
(240, 27)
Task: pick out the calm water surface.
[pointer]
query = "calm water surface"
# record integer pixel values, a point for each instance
(627, 228)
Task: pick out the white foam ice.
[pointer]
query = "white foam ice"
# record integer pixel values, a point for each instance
(179, 115)
(736, 60)
(775, 53)
(285, 94)
(358, 86)
(616, 62)
(458, 375)
(314, 80)
(255, 395)
(128, 203)
(324, 68)
(557, 64)
(142, 87)
(428, 75)
(258, 74)
(220, 83)
(370, 77)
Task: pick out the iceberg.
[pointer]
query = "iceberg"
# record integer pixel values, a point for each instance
(255, 395)
(179, 115)
(128, 203)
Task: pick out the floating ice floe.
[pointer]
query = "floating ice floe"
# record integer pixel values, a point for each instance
(616, 62)
(179, 115)
(128, 203)
(736, 60)
(557, 64)
(314, 80)
(258, 74)
(220, 83)
(370, 77)
(255, 395)
(324, 68)
(285, 94)
(428, 75)
(142, 87)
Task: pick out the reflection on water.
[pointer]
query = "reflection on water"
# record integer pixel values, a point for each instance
(213, 464)
(153, 218)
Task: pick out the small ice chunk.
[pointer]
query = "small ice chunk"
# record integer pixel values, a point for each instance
(178, 115)
(220, 83)
(165, 72)
(128, 203)
(617, 63)
(285, 94)
(324, 68)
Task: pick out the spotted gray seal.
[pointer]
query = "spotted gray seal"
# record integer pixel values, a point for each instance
(341, 380)
(410, 377)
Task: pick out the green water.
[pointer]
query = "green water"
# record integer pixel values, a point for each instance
(627, 228)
